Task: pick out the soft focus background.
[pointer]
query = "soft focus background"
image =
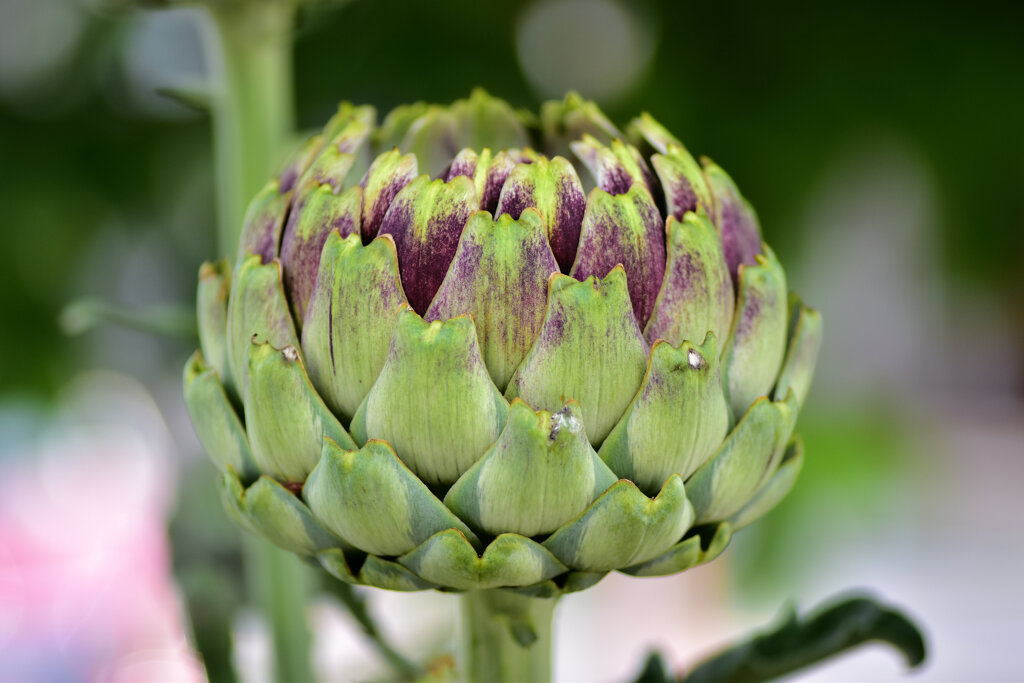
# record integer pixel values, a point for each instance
(880, 142)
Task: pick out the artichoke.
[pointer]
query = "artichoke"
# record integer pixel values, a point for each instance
(447, 360)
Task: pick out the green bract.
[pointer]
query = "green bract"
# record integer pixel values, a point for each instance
(468, 348)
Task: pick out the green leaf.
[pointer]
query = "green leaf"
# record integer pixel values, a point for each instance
(757, 339)
(285, 417)
(623, 527)
(433, 401)
(563, 121)
(499, 276)
(696, 294)
(217, 425)
(683, 182)
(372, 500)
(257, 311)
(797, 644)
(589, 349)
(654, 670)
(448, 559)
(677, 419)
(541, 473)
(746, 460)
(351, 318)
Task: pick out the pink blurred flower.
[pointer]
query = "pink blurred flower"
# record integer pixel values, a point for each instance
(86, 590)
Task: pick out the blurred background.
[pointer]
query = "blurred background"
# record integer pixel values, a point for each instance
(880, 142)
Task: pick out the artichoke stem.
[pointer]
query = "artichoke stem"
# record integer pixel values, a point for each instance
(282, 586)
(250, 47)
(506, 637)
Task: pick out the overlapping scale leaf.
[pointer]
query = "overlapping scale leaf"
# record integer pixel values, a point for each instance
(286, 419)
(675, 422)
(273, 511)
(748, 458)
(624, 229)
(735, 219)
(257, 310)
(483, 121)
(387, 175)
(488, 172)
(212, 314)
(217, 425)
(499, 275)
(801, 351)
(696, 295)
(373, 501)
(433, 401)
(614, 167)
(775, 489)
(623, 527)
(426, 220)
(589, 349)
(565, 121)
(323, 211)
(374, 571)
(351, 318)
(553, 188)
(695, 549)
(448, 559)
(541, 473)
(757, 340)
(264, 222)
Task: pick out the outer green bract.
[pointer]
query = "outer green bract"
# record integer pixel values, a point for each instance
(470, 349)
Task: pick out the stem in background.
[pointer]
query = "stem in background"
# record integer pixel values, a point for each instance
(251, 43)
(250, 46)
(506, 637)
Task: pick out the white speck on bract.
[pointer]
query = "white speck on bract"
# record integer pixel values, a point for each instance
(695, 359)
(290, 354)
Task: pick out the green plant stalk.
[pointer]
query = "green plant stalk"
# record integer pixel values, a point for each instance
(250, 44)
(506, 637)
(252, 105)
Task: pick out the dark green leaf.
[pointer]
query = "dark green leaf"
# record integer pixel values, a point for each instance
(797, 644)
(654, 670)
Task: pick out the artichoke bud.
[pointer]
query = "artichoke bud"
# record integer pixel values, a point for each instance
(465, 371)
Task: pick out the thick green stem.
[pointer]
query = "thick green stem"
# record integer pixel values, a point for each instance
(251, 47)
(282, 585)
(506, 637)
